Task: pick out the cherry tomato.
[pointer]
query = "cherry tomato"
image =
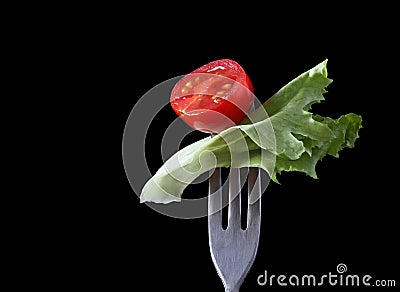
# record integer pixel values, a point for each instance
(214, 97)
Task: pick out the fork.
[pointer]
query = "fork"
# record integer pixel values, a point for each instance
(233, 250)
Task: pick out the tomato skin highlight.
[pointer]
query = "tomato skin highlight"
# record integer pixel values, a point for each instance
(214, 97)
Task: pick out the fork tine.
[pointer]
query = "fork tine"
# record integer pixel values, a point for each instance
(254, 202)
(234, 198)
(215, 196)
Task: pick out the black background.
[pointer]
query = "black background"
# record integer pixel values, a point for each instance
(349, 215)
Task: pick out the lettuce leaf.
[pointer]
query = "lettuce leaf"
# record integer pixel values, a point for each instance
(289, 138)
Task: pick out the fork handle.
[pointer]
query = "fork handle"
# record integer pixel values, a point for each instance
(232, 290)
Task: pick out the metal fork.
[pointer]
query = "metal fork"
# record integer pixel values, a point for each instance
(233, 250)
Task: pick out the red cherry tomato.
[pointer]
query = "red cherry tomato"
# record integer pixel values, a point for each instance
(213, 97)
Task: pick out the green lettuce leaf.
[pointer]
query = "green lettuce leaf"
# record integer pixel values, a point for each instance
(289, 138)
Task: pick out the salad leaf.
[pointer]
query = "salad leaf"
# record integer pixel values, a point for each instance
(289, 138)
